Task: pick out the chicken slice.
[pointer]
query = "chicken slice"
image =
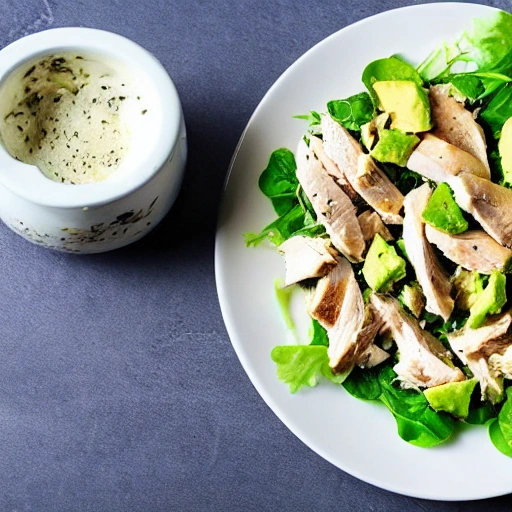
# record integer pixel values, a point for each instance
(431, 276)
(422, 356)
(456, 125)
(371, 224)
(472, 250)
(332, 169)
(305, 258)
(489, 204)
(482, 350)
(437, 160)
(368, 180)
(332, 206)
(337, 303)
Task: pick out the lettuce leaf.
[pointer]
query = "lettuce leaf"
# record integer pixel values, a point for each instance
(303, 365)
(487, 45)
(317, 334)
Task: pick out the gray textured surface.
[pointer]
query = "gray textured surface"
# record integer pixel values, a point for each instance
(119, 389)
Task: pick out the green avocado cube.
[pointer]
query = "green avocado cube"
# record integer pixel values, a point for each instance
(394, 146)
(453, 397)
(382, 267)
(490, 301)
(407, 104)
(468, 286)
(443, 213)
(505, 149)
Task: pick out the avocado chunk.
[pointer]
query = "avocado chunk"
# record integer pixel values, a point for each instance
(382, 267)
(443, 213)
(370, 131)
(468, 286)
(490, 301)
(453, 397)
(394, 146)
(505, 149)
(406, 102)
(412, 298)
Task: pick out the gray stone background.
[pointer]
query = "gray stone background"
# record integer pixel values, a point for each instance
(119, 389)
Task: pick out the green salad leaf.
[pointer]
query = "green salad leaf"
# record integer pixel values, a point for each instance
(487, 45)
(279, 180)
(303, 365)
(280, 230)
(498, 110)
(481, 415)
(317, 334)
(352, 112)
(500, 430)
(417, 423)
(391, 68)
(284, 297)
(363, 384)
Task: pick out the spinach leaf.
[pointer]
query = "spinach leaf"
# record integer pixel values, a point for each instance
(498, 110)
(303, 365)
(363, 384)
(352, 112)
(481, 415)
(392, 68)
(318, 334)
(280, 230)
(505, 418)
(417, 423)
(498, 439)
(468, 85)
(279, 181)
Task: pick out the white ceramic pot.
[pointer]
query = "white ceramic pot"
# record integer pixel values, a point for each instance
(101, 215)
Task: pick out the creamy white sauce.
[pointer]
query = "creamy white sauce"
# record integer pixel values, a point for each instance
(68, 115)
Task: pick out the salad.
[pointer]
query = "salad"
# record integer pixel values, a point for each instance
(394, 222)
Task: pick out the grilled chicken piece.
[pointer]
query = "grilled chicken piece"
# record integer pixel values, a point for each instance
(332, 206)
(481, 350)
(421, 354)
(472, 250)
(437, 160)
(456, 125)
(489, 204)
(361, 171)
(333, 170)
(371, 224)
(337, 303)
(431, 276)
(373, 356)
(306, 257)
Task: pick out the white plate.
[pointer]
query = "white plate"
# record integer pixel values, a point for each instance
(358, 437)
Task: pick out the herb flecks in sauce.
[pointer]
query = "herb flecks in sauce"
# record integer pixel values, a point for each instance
(67, 119)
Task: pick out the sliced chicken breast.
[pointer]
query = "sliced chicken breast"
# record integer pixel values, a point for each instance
(333, 170)
(371, 225)
(368, 180)
(438, 160)
(481, 350)
(489, 204)
(472, 250)
(332, 206)
(337, 303)
(432, 278)
(456, 125)
(306, 257)
(422, 356)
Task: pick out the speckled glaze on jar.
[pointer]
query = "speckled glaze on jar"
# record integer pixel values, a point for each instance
(121, 206)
